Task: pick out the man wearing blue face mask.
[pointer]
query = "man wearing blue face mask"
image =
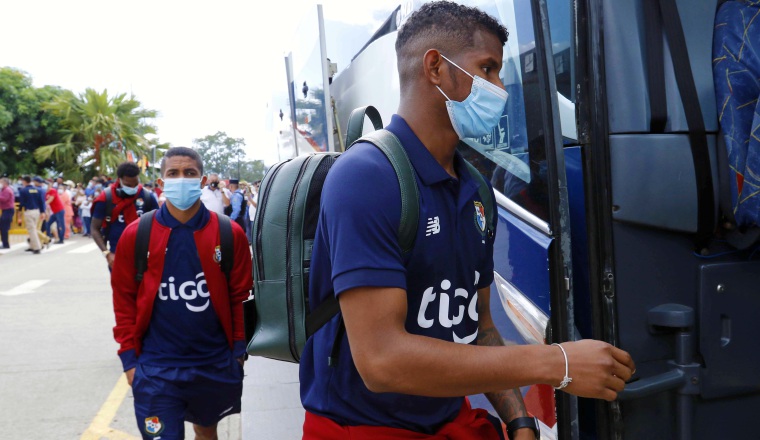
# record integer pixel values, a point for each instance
(180, 329)
(117, 206)
(419, 322)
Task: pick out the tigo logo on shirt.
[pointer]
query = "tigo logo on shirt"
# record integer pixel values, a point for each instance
(187, 291)
(444, 308)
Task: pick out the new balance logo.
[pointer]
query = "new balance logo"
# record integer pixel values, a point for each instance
(433, 226)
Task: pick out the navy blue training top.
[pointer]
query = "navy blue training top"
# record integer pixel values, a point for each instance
(184, 329)
(356, 245)
(31, 197)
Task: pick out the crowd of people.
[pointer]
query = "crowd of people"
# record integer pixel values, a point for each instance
(53, 209)
(65, 208)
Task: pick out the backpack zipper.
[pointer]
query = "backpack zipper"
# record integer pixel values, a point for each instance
(260, 218)
(288, 278)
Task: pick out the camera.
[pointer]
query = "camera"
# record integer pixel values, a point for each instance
(214, 185)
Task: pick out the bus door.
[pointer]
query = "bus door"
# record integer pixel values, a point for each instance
(664, 284)
(531, 299)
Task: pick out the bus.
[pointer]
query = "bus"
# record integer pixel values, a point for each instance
(607, 170)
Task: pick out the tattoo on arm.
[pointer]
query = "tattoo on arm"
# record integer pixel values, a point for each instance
(507, 403)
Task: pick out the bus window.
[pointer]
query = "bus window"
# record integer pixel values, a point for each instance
(513, 156)
(561, 30)
(560, 27)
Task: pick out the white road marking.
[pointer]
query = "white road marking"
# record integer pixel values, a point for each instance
(15, 247)
(27, 287)
(55, 247)
(83, 249)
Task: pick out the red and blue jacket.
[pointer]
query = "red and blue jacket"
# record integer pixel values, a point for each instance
(133, 301)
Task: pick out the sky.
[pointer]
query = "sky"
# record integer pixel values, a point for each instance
(204, 66)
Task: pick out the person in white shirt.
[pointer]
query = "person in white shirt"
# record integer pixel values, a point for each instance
(213, 197)
(252, 196)
(85, 211)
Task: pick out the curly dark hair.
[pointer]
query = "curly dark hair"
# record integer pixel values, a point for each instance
(127, 169)
(448, 23)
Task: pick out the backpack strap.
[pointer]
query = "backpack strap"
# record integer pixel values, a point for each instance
(486, 196)
(109, 211)
(321, 315)
(141, 245)
(143, 239)
(227, 245)
(146, 198)
(355, 126)
(389, 144)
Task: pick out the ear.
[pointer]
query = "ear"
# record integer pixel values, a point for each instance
(433, 66)
(160, 183)
(203, 181)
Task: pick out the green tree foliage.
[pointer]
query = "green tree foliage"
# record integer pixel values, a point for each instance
(226, 156)
(97, 131)
(252, 170)
(220, 153)
(24, 125)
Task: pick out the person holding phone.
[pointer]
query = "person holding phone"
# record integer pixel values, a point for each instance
(212, 196)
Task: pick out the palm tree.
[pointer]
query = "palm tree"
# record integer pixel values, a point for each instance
(98, 131)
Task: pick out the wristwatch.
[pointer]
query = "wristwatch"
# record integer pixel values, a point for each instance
(524, 422)
(106, 252)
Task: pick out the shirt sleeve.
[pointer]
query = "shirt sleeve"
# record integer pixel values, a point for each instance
(98, 209)
(5, 195)
(361, 225)
(235, 202)
(125, 289)
(487, 270)
(22, 195)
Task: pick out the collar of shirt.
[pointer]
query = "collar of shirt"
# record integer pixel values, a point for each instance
(429, 170)
(197, 222)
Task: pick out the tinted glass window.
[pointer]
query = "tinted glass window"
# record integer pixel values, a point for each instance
(513, 155)
(560, 27)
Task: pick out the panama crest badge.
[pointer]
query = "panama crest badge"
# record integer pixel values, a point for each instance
(480, 217)
(218, 254)
(153, 426)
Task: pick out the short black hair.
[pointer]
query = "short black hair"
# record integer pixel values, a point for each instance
(443, 25)
(182, 151)
(27, 179)
(127, 169)
(448, 21)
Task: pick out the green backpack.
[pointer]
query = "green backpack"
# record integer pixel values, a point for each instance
(279, 318)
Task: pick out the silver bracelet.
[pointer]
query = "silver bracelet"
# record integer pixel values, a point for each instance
(567, 379)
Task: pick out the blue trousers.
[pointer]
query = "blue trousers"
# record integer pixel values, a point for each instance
(59, 224)
(86, 222)
(5, 225)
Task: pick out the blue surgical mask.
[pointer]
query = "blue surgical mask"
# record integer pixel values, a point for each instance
(182, 192)
(128, 190)
(479, 113)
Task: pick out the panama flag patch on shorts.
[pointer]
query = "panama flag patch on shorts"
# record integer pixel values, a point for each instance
(153, 425)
